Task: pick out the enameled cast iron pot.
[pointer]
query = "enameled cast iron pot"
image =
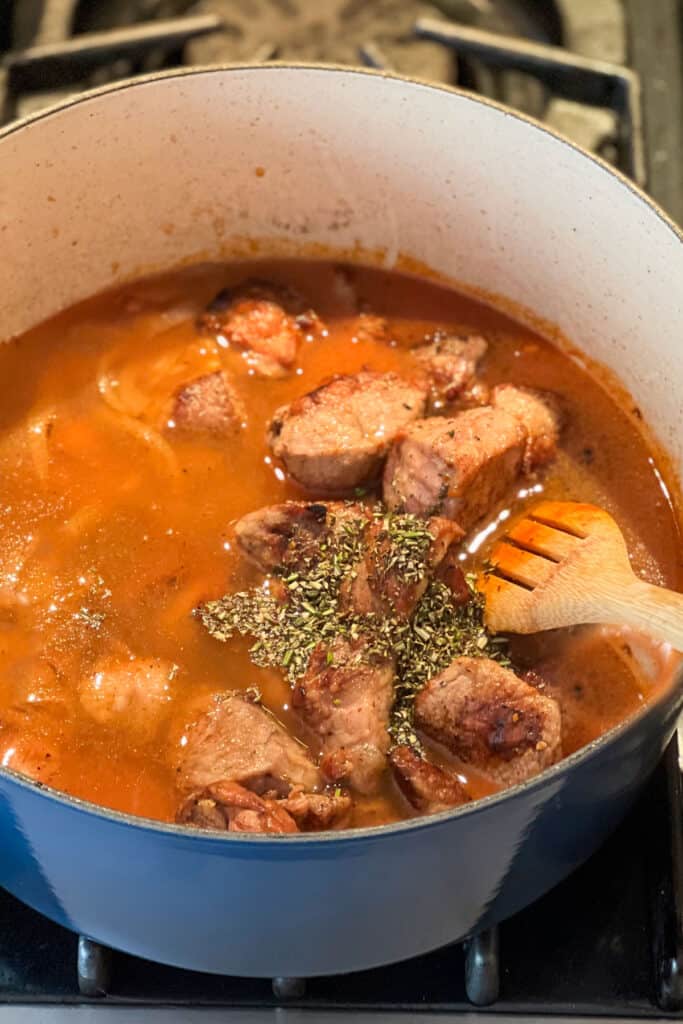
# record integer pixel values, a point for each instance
(148, 174)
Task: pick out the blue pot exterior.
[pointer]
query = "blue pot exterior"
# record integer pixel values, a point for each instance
(266, 906)
(302, 906)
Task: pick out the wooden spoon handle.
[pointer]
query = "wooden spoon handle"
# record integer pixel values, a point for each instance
(654, 610)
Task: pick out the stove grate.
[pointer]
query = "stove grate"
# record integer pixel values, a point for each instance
(581, 79)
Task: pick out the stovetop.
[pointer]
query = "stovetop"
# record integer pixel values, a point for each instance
(608, 73)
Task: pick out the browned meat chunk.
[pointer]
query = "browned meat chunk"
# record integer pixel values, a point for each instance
(345, 697)
(315, 812)
(539, 414)
(229, 807)
(208, 405)
(289, 533)
(237, 740)
(491, 719)
(449, 362)
(461, 466)
(129, 693)
(383, 582)
(369, 327)
(450, 573)
(264, 320)
(457, 467)
(429, 789)
(335, 438)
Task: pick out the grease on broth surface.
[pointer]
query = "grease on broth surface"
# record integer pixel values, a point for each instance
(114, 530)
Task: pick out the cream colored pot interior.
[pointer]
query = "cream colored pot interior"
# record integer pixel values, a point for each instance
(189, 166)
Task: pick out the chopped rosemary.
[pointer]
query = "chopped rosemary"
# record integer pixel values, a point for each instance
(285, 632)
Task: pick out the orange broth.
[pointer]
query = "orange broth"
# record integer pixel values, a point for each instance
(114, 528)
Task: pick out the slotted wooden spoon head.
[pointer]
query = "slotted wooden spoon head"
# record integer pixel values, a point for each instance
(553, 567)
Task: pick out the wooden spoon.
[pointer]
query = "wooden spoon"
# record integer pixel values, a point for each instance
(565, 564)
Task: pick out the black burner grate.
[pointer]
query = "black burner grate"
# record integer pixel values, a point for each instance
(581, 79)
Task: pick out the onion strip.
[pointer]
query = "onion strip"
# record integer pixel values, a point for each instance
(38, 427)
(148, 436)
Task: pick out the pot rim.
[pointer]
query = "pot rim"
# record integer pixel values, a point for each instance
(673, 695)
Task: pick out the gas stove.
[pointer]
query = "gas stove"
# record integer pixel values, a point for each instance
(609, 74)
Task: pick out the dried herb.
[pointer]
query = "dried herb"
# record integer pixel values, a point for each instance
(402, 546)
(286, 631)
(439, 631)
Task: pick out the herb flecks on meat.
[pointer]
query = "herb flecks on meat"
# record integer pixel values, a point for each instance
(408, 541)
(439, 631)
(287, 627)
(290, 616)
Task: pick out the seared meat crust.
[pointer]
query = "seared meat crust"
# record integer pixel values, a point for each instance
(264, 320)
(208, 405)
(426, 787)
(228, 807)
(237, 740)
(333, 439)
(315, 812)
(492, 719)
(378, 587)
(461, 466)
(290, 533)
(449, 362)
(345, 698)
